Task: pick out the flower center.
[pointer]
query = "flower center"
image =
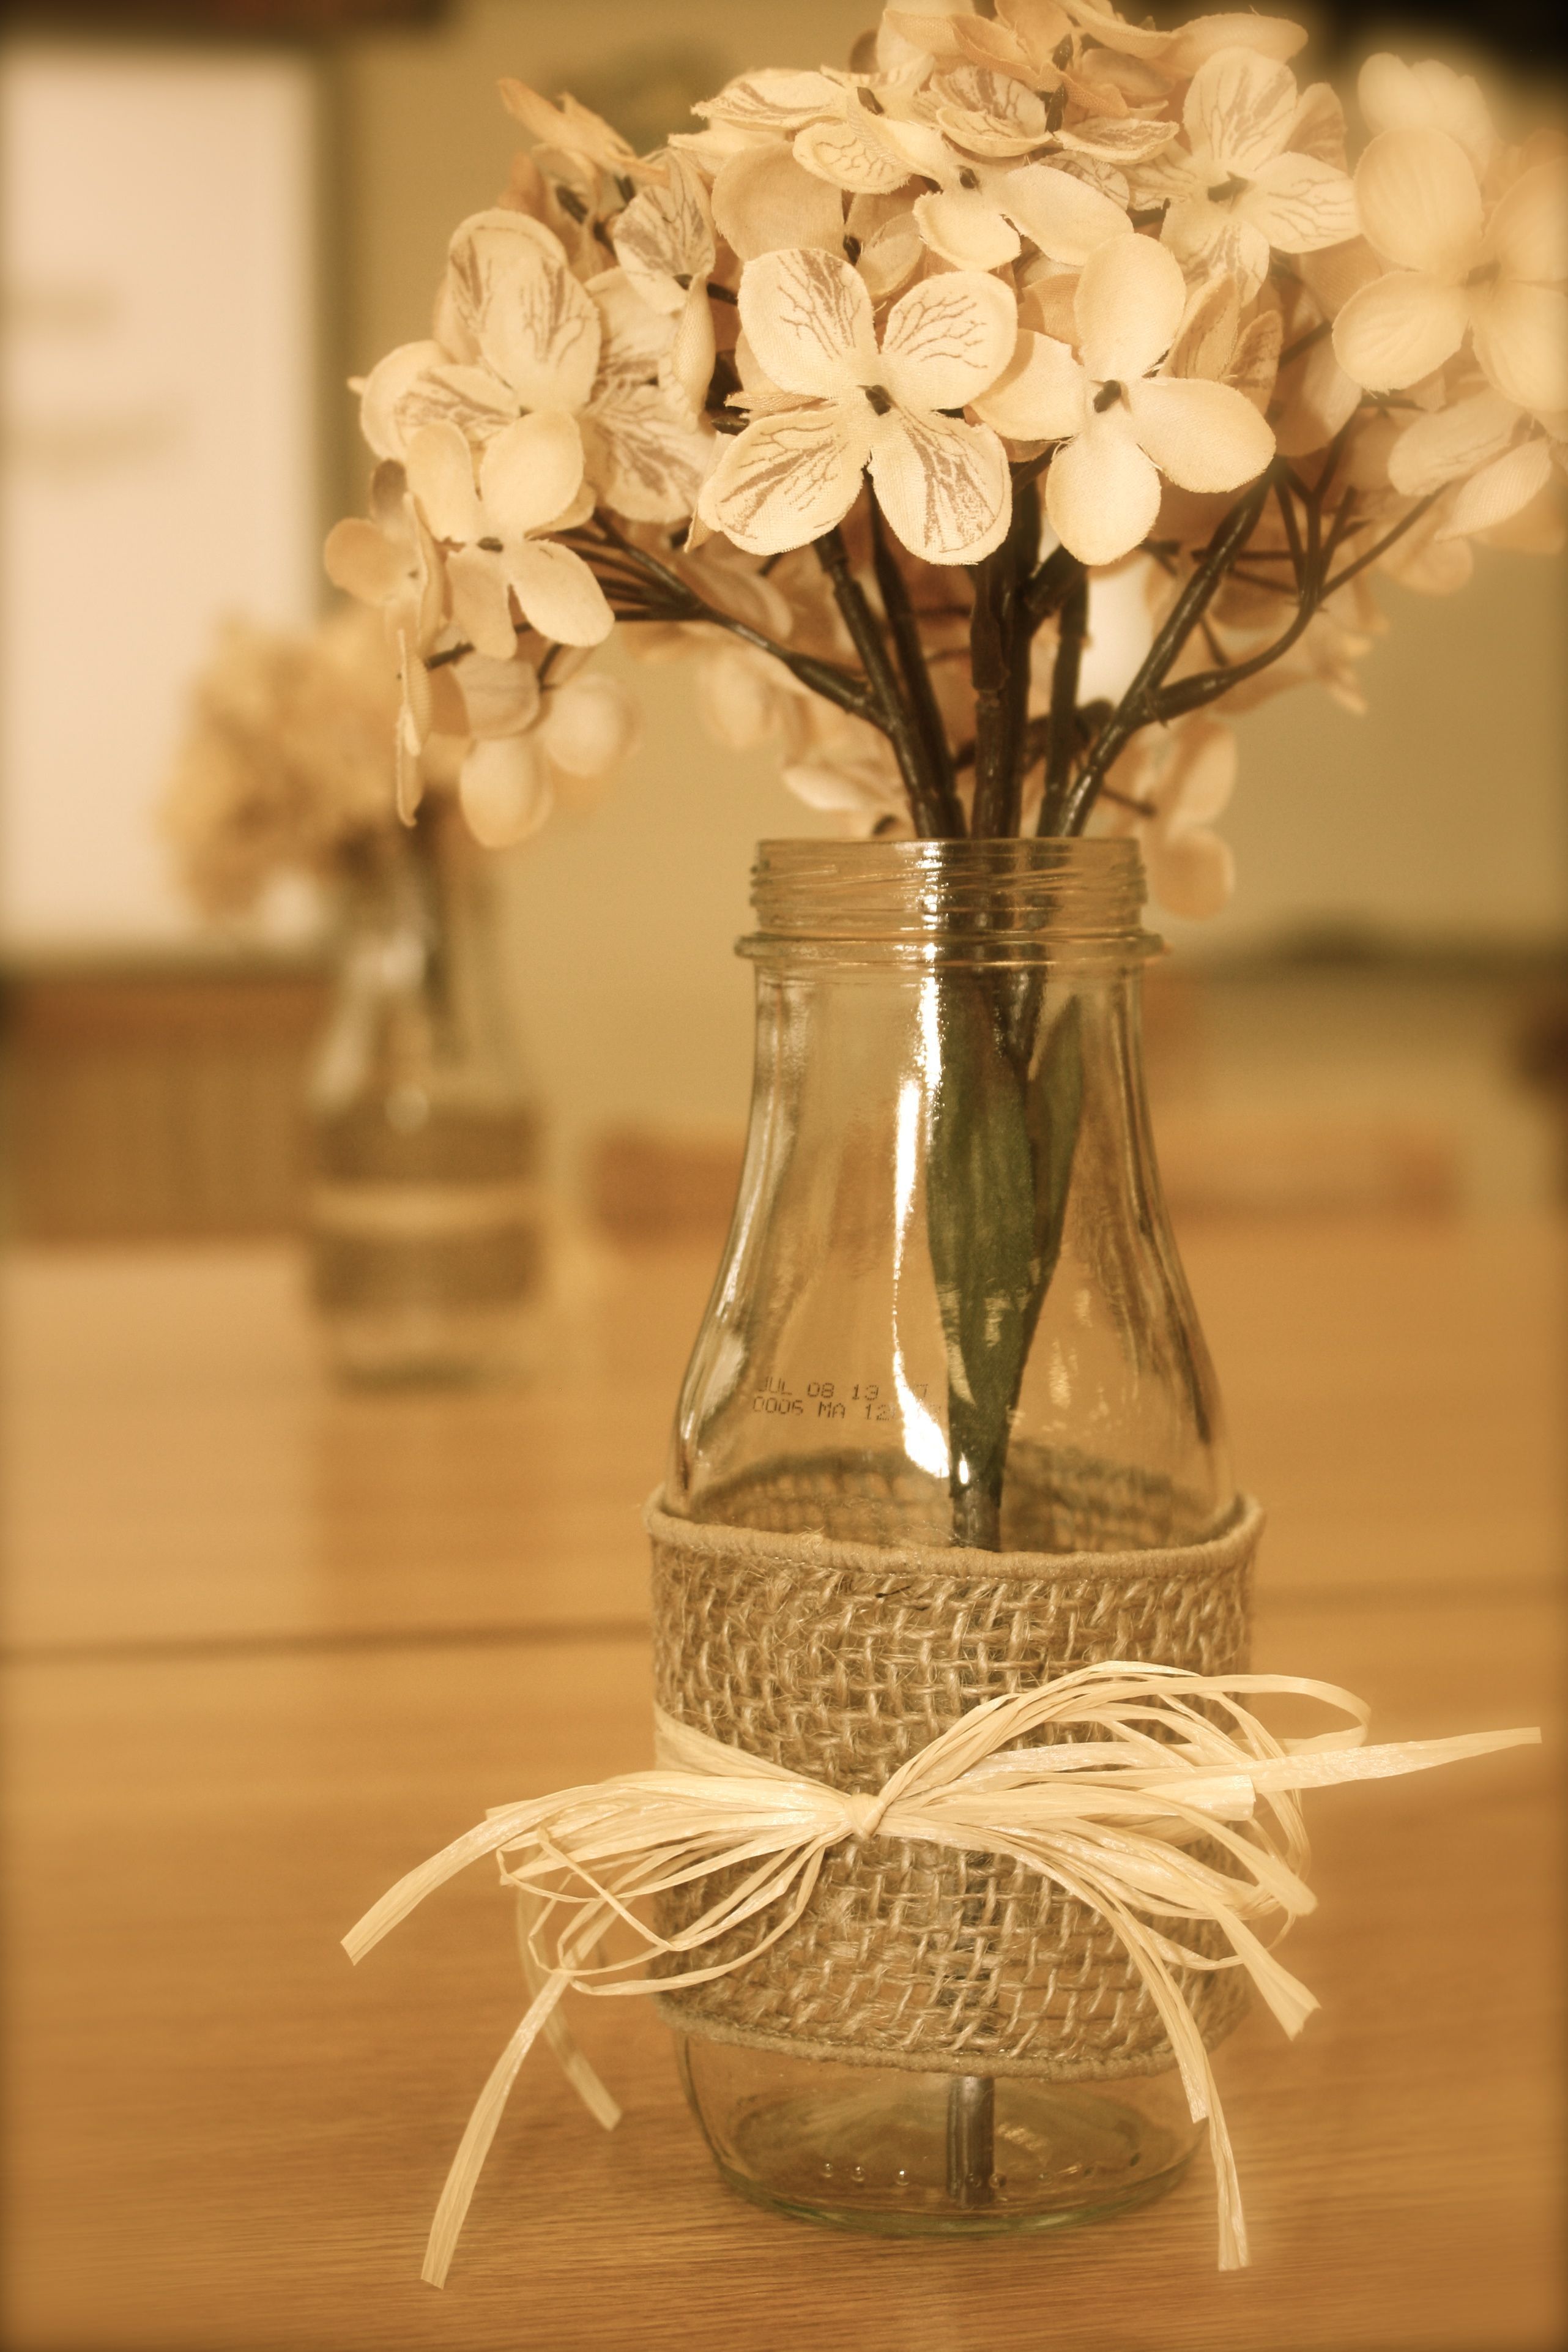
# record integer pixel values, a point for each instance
(1486, 274)
(491, 546)
(1107, 396)
(879, 398)
(968, 179)
(1227, 191)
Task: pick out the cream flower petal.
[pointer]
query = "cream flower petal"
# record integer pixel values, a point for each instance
(1202, 436)
(363, 561)
(1529, 231)
(664, 238)
(440, 477)
(1394, 95)
(763, 202)
(946, 488)
(1066, 218)
(1500, 491)
(1191, 873)
(890, 256)
(1398, 328)
(786, 480)
(1419, 203)
(1042, 395)
(646, 463)
(1450, 442)
(591, 726)
(499, 697)
(1198, 778)
(849, 157)
(1521, 341)
(481, 609)
(1317, 401)
(1239, 110)
(539, 329)
(773, 100)
(504, 791)
(1317, 127)
(1206, 337)
(738, 698)
(966, 228)
(1212, 240)
(1128, 305)
(685, 371)
(531, 472)
(1190, 45)
(808, 318)
(1101, 494)
(1301, 204)
(948, 340)
(474, 399)
(383, 392)
(1255, 363)
(1116, 139)
(558, 593)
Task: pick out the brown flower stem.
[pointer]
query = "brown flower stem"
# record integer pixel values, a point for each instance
(1062, 738)
(894, 714)
(999, 634)
(1383, 545)
(1305, 342)
(1208, 686)
(628, 573)
(1135, 710)
(1051, 584)
(905, 628)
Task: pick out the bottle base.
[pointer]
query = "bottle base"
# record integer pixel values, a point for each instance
(871, 2148)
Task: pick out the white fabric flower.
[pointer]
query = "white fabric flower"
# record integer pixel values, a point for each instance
(544, 344)
(1455, 273)
(664, 243)
(530, 476)
(532, 748)
(980, 211)
(1180, 785)
(1121, 425)
(944, 485)
(1394, 95)
(1238, 188)
(391, 559)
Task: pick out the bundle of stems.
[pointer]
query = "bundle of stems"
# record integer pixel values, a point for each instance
(1015, 592)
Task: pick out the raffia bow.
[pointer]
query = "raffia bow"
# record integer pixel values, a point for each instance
(1105, 1813)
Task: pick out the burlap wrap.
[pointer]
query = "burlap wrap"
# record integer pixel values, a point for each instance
(840, 1660)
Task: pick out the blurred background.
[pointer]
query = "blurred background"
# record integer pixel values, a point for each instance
(214, 215)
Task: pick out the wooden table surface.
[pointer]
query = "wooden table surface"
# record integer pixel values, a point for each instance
(267, 1645)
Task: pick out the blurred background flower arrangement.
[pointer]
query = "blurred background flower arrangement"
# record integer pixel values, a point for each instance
(425, 1217)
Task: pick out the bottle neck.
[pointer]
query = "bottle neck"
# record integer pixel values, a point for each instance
(1059, 905)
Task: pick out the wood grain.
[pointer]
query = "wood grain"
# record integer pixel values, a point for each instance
(271, 1646)
(179, 1470)
(233, 2140)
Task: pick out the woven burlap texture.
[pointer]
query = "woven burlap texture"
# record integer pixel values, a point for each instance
(841, 1660)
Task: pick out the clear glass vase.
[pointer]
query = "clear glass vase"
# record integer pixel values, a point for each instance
(425, 1224)
(950, 1311)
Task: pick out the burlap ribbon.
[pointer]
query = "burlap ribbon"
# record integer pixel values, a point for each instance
(1153, 1759)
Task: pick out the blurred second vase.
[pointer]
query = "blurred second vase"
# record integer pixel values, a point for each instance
(427, 1239)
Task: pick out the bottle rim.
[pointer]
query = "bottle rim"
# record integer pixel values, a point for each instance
(991, 901)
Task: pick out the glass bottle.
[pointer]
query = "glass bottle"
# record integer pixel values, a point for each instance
(425, 1228)
(950, 1310)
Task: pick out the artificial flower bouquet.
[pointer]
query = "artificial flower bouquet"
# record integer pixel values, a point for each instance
(980, 416)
